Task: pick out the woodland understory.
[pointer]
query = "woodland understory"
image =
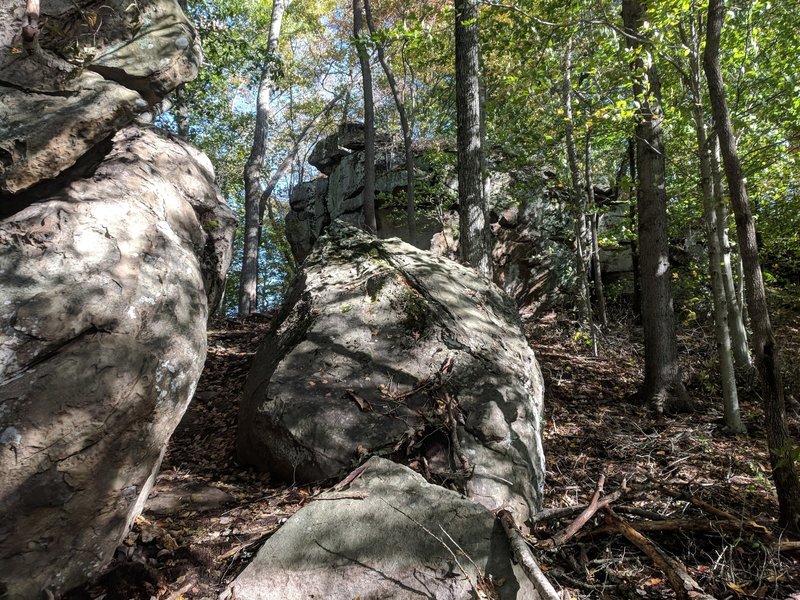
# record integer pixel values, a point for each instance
(660, 117)
(702, 496)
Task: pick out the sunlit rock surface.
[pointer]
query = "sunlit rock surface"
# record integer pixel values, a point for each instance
(106, 284)
(382, 348)
(95, 66)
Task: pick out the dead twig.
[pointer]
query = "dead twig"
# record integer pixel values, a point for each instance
(571, 529)
(444, 545)
(717, 526)
(742, 524)
(596, 504)
(679, 579)
(525, 557)
(181, 590)
(454, 441)
(342, 496)
(354, 474)
(583, 585)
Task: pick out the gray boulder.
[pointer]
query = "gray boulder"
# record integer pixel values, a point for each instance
(385, 349)
(390, 535)
(77, 86)
(107, 283)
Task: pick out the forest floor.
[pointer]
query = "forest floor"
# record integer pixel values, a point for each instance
(703, 496)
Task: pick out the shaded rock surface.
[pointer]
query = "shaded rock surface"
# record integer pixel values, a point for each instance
(396, 536)
(106, 285)
(94, 66)
(339, 193)
(382, 348)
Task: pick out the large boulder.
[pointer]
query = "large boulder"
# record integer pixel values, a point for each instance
(107, 283)
(92, 69)
(382, 348)
(390, 535)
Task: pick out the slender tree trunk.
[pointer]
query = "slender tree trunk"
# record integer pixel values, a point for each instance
(735, 303)
(594, 222)
(368, 194)
(407, 140)
(292, 155)
(577, 197)
(248, 283)
(730, 397)
(30, 25)
(474, 234)
(740, 299)
(767, 356)
(662, 387)
(692, 79)
(633, 212)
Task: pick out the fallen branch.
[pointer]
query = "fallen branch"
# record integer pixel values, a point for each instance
(679, 579)
(354, 474)
(596, 504)
(454, 441)
(525, 557)
(551, 514)
(583, 585)
(342, 496)
(571, 529)
(181, 591)
(717, 526)
(717, 512)
(788, 546)
(679, 495)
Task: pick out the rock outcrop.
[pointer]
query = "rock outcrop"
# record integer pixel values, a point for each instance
(107, 281)
(390, 535)
(533, 259)
(385, 349)
(338, 194)
(94, 66)
(531, 225)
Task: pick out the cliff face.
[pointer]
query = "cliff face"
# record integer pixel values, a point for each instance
(114, 243)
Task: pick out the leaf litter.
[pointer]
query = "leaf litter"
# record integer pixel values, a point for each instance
(702, 497)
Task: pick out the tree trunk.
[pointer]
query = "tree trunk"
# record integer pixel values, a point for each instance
(407, 140)
(30, 26)
(662, 387)
(633, 211)
(292, 155)
(474, 234)
(248, 283)
(577, 197)
(730, 397)
(370, 222)
(767, 357)
(594, 222)
(735, 303)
